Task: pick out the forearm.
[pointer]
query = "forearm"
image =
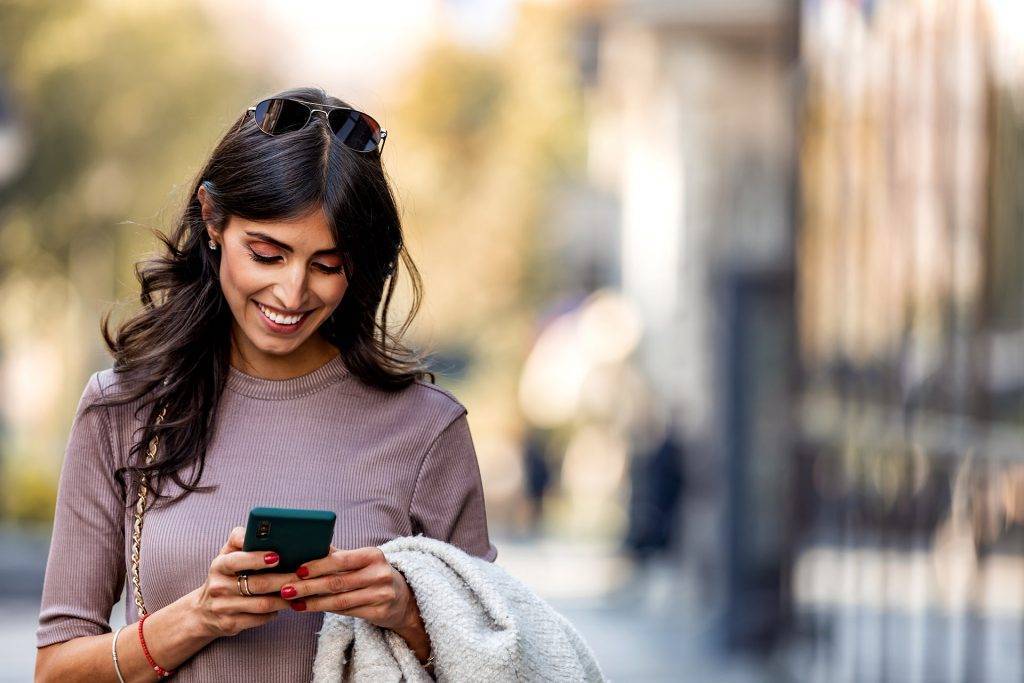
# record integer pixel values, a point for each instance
(173, 636)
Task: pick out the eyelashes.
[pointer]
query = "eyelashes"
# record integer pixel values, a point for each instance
(330, 270)
(261, 259)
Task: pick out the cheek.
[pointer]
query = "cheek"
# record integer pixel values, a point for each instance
(240, 277)
(332, 292)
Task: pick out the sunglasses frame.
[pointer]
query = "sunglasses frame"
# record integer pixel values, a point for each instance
(314, 107)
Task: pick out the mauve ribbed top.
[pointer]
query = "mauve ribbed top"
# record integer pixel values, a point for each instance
(389, 464)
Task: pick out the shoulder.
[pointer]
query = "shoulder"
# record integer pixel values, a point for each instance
(107, 384)
(433, 400)
(113, 392)
(437, 395)
(420, 403)
(434, 404)
(94, 390)
(94, 395)
(103, 381)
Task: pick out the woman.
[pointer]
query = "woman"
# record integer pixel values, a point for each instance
(283, 388)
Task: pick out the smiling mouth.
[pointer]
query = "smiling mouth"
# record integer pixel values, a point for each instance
(293, 324)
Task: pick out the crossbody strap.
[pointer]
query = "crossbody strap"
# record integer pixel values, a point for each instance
(140, 508)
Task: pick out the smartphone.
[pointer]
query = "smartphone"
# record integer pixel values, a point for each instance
(296, 534)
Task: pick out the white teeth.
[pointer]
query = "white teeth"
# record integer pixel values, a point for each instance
(279, 319)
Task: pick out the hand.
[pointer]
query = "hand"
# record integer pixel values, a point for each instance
(221, 609)
(359, 583)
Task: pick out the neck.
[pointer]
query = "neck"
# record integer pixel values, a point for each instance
(252, 361)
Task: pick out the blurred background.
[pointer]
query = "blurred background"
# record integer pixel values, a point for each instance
(733, 291)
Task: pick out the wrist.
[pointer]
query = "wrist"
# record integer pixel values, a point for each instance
(413, 623)
(192, 620)
(414, 632)
(160, 671)
(412, 627)
(172, 634)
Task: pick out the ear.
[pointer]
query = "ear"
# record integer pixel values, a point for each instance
(204, 201)
(207, 212)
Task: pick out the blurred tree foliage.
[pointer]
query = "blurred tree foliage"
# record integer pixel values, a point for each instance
(119, 102)
(483, 141)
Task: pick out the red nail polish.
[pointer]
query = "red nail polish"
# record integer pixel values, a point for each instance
(302, 571)
(289, 592)
(298, 605)
(270, 558)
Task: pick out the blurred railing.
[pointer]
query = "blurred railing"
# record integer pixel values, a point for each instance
(911, 560)
(908, 562)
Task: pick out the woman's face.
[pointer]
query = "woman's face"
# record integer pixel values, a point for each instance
(282, 280)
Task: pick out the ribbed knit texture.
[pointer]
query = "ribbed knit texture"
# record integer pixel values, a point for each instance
(389, 465)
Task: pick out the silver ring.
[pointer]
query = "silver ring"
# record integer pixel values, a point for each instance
(243, 585)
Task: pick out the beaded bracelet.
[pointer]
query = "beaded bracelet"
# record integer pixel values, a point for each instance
(160, 671)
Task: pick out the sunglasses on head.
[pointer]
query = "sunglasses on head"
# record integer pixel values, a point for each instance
(358, 131)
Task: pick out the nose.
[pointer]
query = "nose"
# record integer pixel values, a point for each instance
(291, 292)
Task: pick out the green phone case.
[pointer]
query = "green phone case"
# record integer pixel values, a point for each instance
(297, 535)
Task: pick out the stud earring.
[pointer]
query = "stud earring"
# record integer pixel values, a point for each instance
(213, 245)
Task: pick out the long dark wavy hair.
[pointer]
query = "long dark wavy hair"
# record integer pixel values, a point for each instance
(182, 332)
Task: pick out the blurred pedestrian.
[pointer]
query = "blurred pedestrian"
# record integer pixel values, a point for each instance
(657, 483)
(536, 477)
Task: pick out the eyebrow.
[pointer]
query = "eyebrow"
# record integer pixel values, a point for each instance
(278, 243)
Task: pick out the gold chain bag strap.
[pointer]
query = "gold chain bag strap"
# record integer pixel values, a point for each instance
(140, 508)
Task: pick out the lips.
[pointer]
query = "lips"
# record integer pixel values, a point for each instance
(279, 327)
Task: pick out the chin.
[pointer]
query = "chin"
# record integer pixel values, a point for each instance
(279, 346)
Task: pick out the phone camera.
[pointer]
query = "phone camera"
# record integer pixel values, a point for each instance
(263, 530)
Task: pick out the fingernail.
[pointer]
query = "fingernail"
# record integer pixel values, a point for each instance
(288, 592)
(302, 571)
(271, 558)
(298, 605)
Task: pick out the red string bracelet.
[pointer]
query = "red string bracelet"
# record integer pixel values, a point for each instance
(160, 671)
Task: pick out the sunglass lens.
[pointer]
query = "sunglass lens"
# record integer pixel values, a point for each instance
(356, 129)
(276, 116)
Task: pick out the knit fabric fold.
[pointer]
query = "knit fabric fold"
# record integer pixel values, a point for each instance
(484, 625)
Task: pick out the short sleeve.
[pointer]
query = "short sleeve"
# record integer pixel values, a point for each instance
(448, 500)
(85, 569)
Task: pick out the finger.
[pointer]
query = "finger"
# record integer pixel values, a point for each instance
(338, 582)
(236, 539)
(242, 621)
(256, 605)
(271, 582)
(342, 561)
(260, 619)
(343, 602)
(240, 560)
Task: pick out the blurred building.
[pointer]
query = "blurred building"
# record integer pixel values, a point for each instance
(819, 217)
(910, 557)
(692, 114)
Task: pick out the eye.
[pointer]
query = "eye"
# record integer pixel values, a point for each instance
(330, 270)
(259, 258)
